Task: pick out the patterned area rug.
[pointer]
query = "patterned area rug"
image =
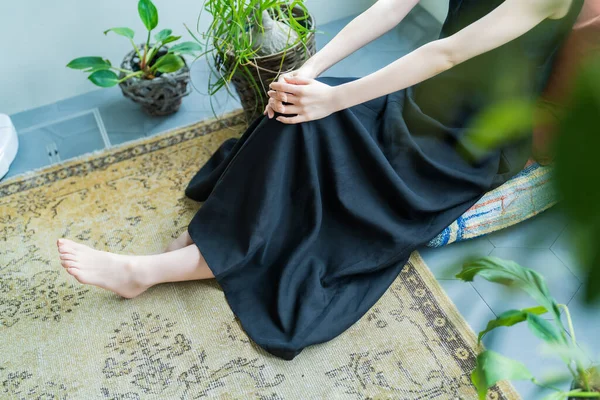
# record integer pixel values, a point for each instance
(62, 340)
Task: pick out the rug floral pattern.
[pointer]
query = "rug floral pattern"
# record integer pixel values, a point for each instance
(63, 340)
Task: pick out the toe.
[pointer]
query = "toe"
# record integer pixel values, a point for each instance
(70, 264)
(69, 243)
(76, 246)
(76, 273)
(65, 249)
(67, 256)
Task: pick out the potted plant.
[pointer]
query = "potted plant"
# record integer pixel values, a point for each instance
(152, 74)
(492, 367)
(252, 42)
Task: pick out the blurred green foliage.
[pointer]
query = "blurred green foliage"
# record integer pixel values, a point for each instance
(492, 367)
(577, 183)
(576, 166)
(578, 172)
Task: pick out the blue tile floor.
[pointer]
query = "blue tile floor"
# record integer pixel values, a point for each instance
(104, 118)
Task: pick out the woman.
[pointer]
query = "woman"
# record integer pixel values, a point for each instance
(311, 215)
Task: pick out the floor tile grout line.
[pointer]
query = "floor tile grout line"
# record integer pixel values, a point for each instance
(574, 294)
(565, 265)
(479, 294)
(559, 235)
(101, 127)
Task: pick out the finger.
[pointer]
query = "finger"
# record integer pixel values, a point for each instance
(292, 109)
(297, 80)
(285, 97)
(276, 105)
(283, 108)
(291, 120)
(271, 113)
(286, 87)
(277, 95)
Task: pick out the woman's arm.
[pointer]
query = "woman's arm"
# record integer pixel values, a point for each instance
(368, 26)
(313, 100)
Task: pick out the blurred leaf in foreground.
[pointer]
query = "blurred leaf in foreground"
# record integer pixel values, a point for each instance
(578, 172)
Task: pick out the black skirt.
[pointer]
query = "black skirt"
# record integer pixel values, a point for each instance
(306, 226)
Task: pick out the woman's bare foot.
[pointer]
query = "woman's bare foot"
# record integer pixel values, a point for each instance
(182, 241)
(117, 273)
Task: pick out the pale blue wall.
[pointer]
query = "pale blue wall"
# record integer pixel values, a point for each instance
(39, 37)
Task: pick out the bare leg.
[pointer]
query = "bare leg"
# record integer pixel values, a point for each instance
(182, 241)
(129, 276)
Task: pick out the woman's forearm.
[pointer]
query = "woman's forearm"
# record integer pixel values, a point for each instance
(417, 66)
(368, 26)
(310, 99)
(510, 20)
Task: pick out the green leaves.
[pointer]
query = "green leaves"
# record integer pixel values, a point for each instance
(539, 326)
(171, 39)
(101, 74)
(492, 368)
(163, 35)
(504, 121)
(128, 33)
(510, 318)
(511, 274)
(148, 14)
(89, 64)
(577, 173)
(543, 329)
(500, 123)
(566, 351)
(104, 78)
(185, 48)
(557, 396)
(168, 63)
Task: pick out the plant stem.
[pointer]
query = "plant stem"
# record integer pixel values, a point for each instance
(131, 76)
(143, 59)
(540, 384)
(147, 47)
(136, 49)
(153, 51)
(569, 322)
(122, 70)
(575, 374)
(580, 370)
(587, 395)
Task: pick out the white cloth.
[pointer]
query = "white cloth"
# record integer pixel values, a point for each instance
(9, 143)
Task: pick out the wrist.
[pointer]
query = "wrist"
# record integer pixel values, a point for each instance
(339, 97)
(309, 70)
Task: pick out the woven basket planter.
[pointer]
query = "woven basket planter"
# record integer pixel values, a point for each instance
(267, 69)
(159, 96)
